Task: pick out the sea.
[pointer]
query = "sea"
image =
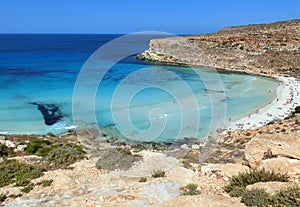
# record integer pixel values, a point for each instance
(47, 85)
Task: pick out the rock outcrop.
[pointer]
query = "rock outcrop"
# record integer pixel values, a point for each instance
(265, 49)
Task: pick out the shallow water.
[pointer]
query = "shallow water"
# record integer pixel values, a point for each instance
(43, 69)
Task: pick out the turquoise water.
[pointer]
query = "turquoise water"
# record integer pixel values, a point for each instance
(43, 69)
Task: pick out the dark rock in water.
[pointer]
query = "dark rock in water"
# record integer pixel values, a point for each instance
(50, 112)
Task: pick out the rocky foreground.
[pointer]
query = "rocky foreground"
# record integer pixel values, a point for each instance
(264, 49)
(188, 175)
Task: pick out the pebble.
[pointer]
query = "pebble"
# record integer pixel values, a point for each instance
(195, 146)
(21, 147)
(184, 146)
(10, 144)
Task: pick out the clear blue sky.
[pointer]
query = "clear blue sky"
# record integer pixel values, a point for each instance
(126, 16)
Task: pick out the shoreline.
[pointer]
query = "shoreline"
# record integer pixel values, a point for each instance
(277, 109)
(288, 97)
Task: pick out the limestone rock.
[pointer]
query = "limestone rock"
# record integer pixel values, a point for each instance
(203, 200)
(283, 165)
(257, 147)
(21, 147)
(269, 187)
(227, 170)
(9, 191)
(259, 49)
(159, 192)
(8, 143)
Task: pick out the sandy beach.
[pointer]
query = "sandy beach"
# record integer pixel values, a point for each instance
(288, 97)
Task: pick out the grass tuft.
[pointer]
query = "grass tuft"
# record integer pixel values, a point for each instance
(238, 183)
(46, 183)
(158, 173)
(191, 189)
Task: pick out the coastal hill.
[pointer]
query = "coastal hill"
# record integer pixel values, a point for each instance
(265, 49)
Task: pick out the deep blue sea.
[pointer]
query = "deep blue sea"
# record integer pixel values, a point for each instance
(38, 74)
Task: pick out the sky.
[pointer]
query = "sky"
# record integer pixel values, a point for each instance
(127, 16)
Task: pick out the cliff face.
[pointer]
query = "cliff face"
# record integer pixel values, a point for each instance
(260, 49)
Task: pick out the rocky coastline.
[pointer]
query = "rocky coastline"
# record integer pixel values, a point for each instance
(264, 49)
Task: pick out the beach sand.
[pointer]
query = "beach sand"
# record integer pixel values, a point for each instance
(288, 97)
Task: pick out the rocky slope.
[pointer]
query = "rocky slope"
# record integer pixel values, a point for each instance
(265, 49)
(273, 147)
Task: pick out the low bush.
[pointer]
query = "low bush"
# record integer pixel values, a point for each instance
(3, 150)
(27, 188)
(61, 158)
(239, 182)
(112, 159)
(142, 180)
(186, 164)
(190, 158)
(287, 197)
(191, 189)
(256, 197)
(2, 198)
(46, 183)
(21, 174)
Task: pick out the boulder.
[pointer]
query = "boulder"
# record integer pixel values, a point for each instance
(283, 165)
(269, 187)
(227, 170)
(284, 146)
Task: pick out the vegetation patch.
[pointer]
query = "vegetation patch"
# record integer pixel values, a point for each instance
(237, 184)
(21, 174)
(142, 180)
(2, 198)
(46, 183)
(112, 159)
(61, 158)
(191, 189)
(42, 147)
(27, 188)
(259, 197)
(186, 164)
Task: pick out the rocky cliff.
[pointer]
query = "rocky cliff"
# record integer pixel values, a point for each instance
(265, 49)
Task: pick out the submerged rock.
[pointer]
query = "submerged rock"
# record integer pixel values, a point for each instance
(50, 112)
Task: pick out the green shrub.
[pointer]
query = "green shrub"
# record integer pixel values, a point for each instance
(256, 197)
(46, 183)
(112, 159)
(4, 151)
(288, 197)
(27, 188)
(12, 171)
(40, 147)
(297, 110)
(191, 189)
(2, 198)
(189, 157)
(158, 173)
(271, 123)
(187, 165)
(60, 158)
(143, 179)
(240, 181)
